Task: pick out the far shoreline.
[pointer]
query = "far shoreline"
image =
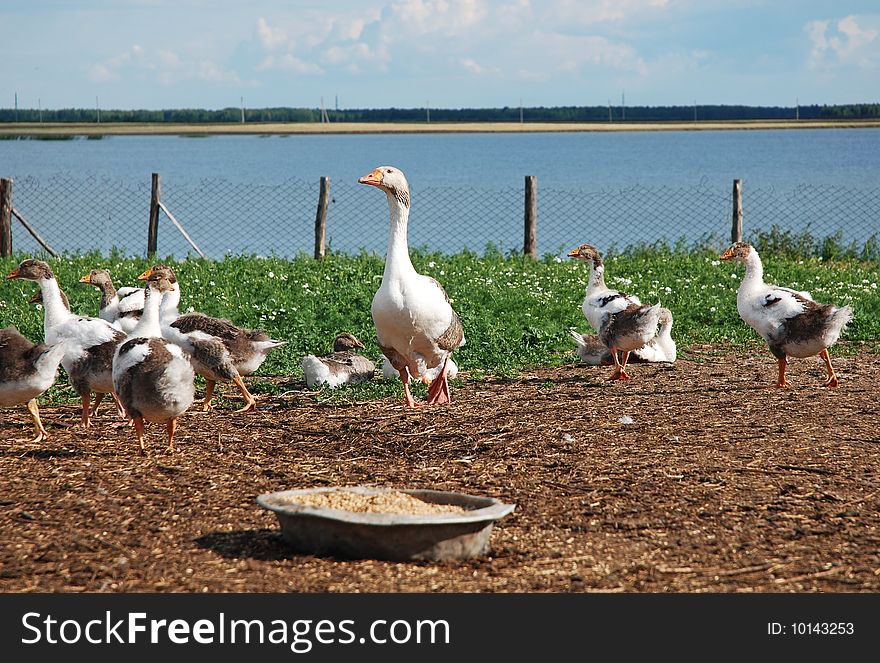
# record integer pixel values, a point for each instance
(60, 130)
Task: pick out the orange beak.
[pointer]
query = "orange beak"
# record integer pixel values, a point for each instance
(373, 179)
(13, 274)
(145, 275)
(574, 253)
(86, 279)
(727, 255)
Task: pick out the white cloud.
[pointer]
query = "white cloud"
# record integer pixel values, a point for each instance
(163, 66)
(844, 43)
(271, 38)
(289, 62)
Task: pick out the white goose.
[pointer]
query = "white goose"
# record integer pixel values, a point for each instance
(26, 371)
(89, 342)
(153, 377)
(342, 366)
(122, 307)
(416, 325)
(624, 324)
(599, 299)
(792, 323)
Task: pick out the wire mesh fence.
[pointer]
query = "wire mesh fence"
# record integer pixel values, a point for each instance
(79, 214)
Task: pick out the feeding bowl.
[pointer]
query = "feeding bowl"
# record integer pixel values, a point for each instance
(396, 536)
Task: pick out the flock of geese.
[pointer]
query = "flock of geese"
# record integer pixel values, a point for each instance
(143, 352)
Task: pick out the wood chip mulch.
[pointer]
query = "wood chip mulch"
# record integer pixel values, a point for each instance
(691, 477)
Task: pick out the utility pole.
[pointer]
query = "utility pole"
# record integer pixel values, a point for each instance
(40, 110)
(610, 119)
(16, 106)
(242, 110)
(695, 110)
(797, 109)
(622, 106)
(97, 110)
(428, 112)
(520, 111)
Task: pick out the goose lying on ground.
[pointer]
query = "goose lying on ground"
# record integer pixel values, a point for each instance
(219, 349)
(342, 366)
(416, 325)
(89, 342)
(27, 370)
(122, 307)
(791, 322)
(153, 377)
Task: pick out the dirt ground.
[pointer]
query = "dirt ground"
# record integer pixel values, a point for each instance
(718, 484)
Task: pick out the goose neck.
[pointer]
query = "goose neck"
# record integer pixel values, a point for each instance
(397, 260)
(53, 305)
(148, 325)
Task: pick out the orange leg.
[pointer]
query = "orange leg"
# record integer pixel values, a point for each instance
(38, 425)
(139, 429)
(438, 392)
(209, 394)
(832, 380)
(170, 427)
(120, 408)
(781, 381)
(619, 372)
(249, 400)
(86, 418)
(407, 395)
(98, 398)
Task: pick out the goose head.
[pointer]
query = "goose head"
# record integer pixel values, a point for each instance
(587, 253)
(739, 252)
(346, 341)
(32, 270)
(391, 180)
(100, 278)
(158, 271)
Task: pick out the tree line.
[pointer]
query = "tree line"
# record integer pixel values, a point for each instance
(505, 114)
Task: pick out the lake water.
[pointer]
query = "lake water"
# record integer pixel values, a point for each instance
(258, 194)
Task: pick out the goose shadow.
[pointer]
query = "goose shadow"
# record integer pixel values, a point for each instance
(266, 545)
(41, 454)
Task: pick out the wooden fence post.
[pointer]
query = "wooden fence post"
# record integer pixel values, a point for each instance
(530, 216)
(321, 218)
(153, 228)
(5, 217)
(736, 229)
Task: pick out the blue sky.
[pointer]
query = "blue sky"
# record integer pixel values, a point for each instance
(441, 53)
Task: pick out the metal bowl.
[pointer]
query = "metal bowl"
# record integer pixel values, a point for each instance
(388, 536)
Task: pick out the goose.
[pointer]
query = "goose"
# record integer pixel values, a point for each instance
(791, 322)
(219, 349)
(599, 299)
(416, 325)
(626, 331)
(661, 348)
(27, 370)
(343, 366)
(591, 350)
(122, 307)
(153, 377)
(390, 373)
(89, 342)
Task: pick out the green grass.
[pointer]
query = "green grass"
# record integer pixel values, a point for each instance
(516, 312)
